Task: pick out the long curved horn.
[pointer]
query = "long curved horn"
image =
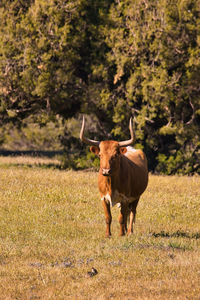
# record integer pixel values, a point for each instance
(128, 142)
(84, 139)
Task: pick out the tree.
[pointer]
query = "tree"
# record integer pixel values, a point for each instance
(154, 55)
(111, 59)
(46, 56)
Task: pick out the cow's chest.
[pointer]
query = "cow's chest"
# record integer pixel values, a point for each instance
(117, 198)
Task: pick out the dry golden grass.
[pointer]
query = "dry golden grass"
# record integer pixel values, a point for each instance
(28, 161)
(52, 233)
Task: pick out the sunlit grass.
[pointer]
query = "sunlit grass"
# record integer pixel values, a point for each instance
(28, 161)
(52, 233)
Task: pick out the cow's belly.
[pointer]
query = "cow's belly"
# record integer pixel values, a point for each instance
(117, 198)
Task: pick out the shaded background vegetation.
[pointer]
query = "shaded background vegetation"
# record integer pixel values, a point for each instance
(109, 60)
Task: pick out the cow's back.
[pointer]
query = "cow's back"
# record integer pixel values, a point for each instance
(137, 156)
(136, 171)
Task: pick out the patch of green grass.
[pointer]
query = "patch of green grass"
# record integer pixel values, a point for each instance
(52, 233)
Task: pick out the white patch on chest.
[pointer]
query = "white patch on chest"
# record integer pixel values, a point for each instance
(117, 198)
(107, 198)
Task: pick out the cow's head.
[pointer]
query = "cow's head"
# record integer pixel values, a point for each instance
(108, 151)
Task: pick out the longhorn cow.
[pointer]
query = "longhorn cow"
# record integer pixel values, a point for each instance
(123, 177)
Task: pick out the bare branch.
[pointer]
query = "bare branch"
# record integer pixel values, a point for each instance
(193, 114)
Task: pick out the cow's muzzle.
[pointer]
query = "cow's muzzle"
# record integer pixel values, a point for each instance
(106, 172)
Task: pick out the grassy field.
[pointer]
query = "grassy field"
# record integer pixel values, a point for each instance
(52, 234)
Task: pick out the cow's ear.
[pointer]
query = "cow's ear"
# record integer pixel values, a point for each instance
(94, 149)
(123, 150)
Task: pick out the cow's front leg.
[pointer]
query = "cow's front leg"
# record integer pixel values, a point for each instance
(108, 217)
(123, 219)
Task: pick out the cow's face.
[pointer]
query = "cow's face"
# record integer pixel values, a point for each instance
(109, 153)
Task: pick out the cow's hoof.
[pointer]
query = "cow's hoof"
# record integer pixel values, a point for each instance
(129, 233)
(108, 235)
(122, 234)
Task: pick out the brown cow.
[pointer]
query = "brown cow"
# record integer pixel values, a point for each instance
(123, 177)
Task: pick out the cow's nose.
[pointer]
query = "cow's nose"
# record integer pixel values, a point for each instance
(106, 172)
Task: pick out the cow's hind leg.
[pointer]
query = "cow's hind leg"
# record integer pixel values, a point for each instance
(132, 207)
(108, 217)
(123, 219)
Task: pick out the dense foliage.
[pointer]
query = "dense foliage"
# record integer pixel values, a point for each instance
(111, 60)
